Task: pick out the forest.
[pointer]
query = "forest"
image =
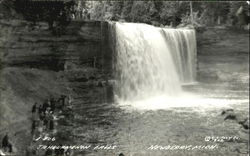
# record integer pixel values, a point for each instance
(158, 13)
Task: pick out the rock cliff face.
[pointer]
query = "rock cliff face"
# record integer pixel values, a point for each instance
(81, 44)
(223, 55)
(36, 64)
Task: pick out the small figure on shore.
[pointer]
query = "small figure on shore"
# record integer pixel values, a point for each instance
(70, 100)
(52, 104)
(45, 106)
(40, 109)
(49, 104)
(47, 111)
(10, 148)
(6, 144)
(61, 100)
(41, 116)
(34, 107)
(51, 125)
(40, 127)
(33, 127)
(45, 123)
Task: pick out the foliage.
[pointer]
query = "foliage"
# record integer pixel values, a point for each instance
(125, 13)
(56, 13)
(153, 12)
(49, 11)
(169, 13)
(214, 12)
(237, 17)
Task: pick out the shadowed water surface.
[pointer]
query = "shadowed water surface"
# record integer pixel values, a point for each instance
(134, 131)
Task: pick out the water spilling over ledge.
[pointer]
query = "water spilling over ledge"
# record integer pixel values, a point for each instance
(151, 61)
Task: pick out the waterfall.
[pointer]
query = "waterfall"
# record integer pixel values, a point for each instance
(151, 61)
(182, 46)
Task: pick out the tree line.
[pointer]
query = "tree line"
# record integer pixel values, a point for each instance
(168, 12)
(159, 13)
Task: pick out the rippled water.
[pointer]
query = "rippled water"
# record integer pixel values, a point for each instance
(166, 121)
(133, 129)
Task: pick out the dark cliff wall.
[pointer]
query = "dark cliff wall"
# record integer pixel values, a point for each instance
(81, 44)
(223, 55)
(36, 64)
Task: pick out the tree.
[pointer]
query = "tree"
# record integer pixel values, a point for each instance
(151, 12)
(56, 13)
(142, 11)
(238, 13)
(214, 12)
(126, 9)
(169, 13)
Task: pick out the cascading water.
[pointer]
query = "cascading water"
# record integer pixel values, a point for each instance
(151, 61)
(182, 46)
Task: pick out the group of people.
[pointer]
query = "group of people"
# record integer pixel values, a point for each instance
(43, 116)
(43, 121)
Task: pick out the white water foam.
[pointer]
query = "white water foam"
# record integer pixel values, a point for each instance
(152, 63)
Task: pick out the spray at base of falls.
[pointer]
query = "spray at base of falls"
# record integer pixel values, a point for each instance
(150, 62)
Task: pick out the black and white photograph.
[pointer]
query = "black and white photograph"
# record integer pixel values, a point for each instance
(124, 78)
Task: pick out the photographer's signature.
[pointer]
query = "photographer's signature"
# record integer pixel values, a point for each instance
(221, 138)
